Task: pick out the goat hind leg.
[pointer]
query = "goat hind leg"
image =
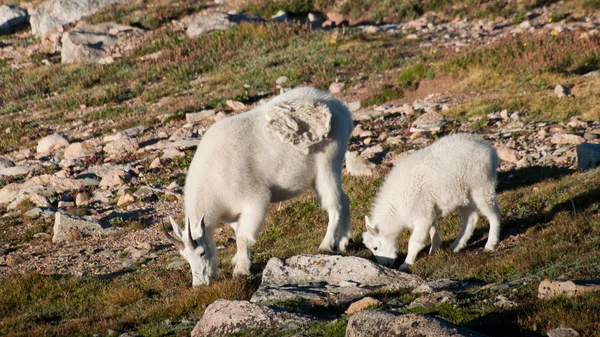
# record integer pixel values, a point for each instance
(436, 241)
(331, 200)
(344, 233)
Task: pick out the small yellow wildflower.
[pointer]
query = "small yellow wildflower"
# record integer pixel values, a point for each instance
(549, 19)
(434, 51)
(555, 32)
(525, 44)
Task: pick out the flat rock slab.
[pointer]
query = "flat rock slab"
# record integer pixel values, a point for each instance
(224, 317)
(370, 323)
(328, 279)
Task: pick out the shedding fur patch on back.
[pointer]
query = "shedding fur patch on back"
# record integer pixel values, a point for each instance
(301, 126)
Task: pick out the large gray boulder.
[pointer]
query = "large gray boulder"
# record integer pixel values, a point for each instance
(53, 14)
(370, 323)
(224, 317)
(319, 279)
(12, 18)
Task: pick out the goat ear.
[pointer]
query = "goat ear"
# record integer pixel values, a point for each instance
(199, 230)
(372, 230)
(190, 238)
(176, 228)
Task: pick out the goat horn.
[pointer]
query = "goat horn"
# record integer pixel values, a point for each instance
(189, 232)
(178, 244)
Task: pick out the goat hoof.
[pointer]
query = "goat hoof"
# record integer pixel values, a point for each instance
(455, 249)
(343, 245)
(490, 248)
(405, 267)
(239, 272)
(326, 248)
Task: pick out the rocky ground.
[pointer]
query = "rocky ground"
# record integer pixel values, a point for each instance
(85, 197)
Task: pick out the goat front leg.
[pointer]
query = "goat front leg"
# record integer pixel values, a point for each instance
(249, 225)
(416, 243)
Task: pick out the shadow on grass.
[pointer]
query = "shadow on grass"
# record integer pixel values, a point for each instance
(528, 176)
(514, 226)
(504, 323)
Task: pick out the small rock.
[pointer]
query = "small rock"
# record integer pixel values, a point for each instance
(365, 303)
(112, 179)
(155, 163)
(65, 204)
(508, 154)
(358, 166)
(551, 289)
(525, 24)
(14, 171)
(336, 87)
(79, 150)
(171, 153)
(122, 146)
(125, 200)
(561, 91)
(430, 301)
(197, 117)
(144, 192)
(368, 323)
(429, 122)
(575, 122)
(588, 156)
(208, 23)
(33, 213)
(562, 332)
(12, 18)
(353, 106)
(65, 225)
(336, 18)
(225, 317)
(4, 163)
(51, 143)
(504, 303)
(566, 139)
(281, 80)
(176, 264)
(235, 105)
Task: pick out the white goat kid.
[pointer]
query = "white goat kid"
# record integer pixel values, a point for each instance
(270, 154)
(456, 172)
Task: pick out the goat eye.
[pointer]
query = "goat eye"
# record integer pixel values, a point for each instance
(202, 254)
(374, 248)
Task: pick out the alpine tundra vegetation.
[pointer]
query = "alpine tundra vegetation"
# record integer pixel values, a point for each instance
(105, 103)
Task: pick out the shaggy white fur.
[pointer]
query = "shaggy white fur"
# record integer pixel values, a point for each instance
(245, 162)
(455, 172)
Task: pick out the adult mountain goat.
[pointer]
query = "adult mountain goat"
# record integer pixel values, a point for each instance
(456, 172)
(269, 154)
